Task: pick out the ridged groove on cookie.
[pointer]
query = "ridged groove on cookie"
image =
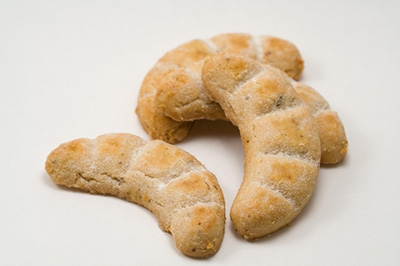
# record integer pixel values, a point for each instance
(290, 187)
(179, 104)
(195, 76)
(260, 69)
(285, 106)
(254, 44)
(187, 170)
(156, 187)
(148, 149)
(201, 100)
(242, 83)
(210, 198)
(276, 192)
(160, 66)
(87, 177)
(284, 103)
(105, 175)
(194, 169)
(275, 142)
(297, 156)
(257, 44)
(322, 111)
(137, 152)
(149, 94)
(195, 101)
(91, 175)
(213, 47)
(204, 204)
(318, 103)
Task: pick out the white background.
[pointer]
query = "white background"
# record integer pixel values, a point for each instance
(71, 69)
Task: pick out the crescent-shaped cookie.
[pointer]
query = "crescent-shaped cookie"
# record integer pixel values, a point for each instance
(184, 196)
(189, 58)
(280, 140)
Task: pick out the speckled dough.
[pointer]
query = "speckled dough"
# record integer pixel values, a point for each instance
(184, 196)
(182, 66)
(280, 140)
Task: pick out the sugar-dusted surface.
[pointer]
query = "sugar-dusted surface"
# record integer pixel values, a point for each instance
(272, 121)
(184, 196)
(72, 69)
(173, 87)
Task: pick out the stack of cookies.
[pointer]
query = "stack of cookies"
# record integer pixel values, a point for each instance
(286, 127)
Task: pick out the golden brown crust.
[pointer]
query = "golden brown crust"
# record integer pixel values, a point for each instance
(184, 196)
(277, 53)
(280, 140)
(182, 66)
(154, 122)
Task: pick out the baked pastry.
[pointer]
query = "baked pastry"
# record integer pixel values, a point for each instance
(182, 66)
(184, 196)
(280, 141)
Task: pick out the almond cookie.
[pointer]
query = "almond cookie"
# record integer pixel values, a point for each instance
(280, 141)
(183, 66)
(184, 196)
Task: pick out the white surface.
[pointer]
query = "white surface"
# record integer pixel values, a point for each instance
(71, 69)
